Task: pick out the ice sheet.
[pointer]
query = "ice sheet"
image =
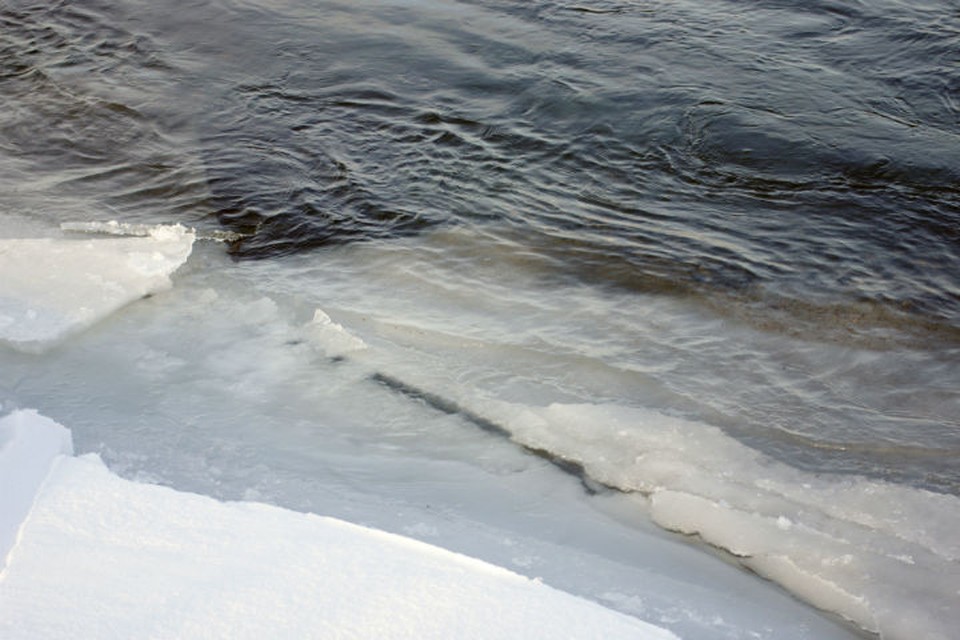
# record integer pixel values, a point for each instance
(114, 558)
(55, 286)
(881, 555)
(225, 387)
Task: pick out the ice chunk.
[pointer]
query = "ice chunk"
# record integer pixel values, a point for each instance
(53, 287)
(885, 556)
(332, 338)
(29, 443)
(104, 557)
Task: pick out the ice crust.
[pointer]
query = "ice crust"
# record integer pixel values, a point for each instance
(115, 558)
(56, 286)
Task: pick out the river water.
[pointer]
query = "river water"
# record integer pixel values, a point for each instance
(725, 235)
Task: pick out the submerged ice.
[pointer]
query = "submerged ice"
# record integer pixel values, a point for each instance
(881, 555)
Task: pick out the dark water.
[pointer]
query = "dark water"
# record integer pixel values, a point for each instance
(804, 158)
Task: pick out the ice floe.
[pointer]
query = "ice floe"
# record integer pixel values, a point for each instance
(56, 286)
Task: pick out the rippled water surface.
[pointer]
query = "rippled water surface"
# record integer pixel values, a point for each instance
(793, 171)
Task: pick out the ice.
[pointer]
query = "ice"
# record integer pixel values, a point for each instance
(103, 557)
(29, 443)
(331, 337)
(881, 555)
(55, 286)
(114, 228)
(231, 385)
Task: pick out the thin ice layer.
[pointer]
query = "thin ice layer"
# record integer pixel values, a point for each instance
(884, 556)
(114, 558)
(53, 287)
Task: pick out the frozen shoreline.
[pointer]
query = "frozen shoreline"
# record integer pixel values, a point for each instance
(114, 558)
(261, 404)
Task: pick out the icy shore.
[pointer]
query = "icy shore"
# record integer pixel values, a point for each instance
(97, 556)
(222, 387)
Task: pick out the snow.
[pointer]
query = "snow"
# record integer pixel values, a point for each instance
(28, 444)
(56, 286)
(103, 557)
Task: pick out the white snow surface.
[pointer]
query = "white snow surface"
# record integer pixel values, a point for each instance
(56, 286)
(103, 557)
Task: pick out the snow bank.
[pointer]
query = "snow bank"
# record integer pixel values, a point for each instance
(101, 557)
(884, 556)
(53, 287)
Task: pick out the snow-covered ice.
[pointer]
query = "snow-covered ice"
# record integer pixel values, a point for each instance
(103, 557)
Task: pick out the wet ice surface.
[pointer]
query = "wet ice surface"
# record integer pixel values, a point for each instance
(221, 386)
